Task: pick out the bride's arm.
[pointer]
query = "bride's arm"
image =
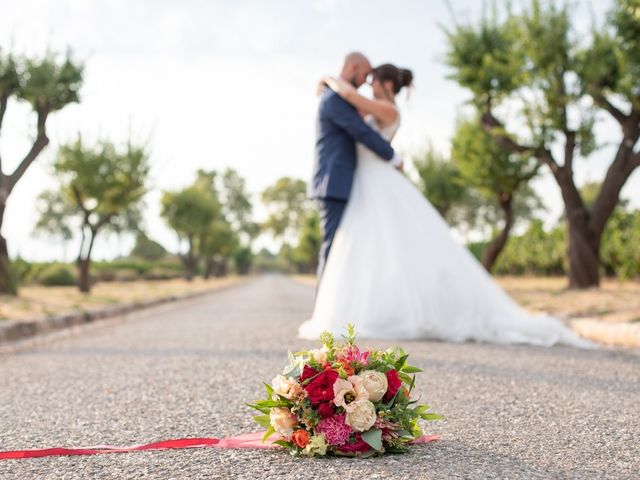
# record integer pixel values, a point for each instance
(385, 112)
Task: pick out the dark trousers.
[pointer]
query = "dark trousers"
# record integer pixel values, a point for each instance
(331, 211)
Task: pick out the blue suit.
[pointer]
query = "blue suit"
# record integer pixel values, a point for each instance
(338, 128)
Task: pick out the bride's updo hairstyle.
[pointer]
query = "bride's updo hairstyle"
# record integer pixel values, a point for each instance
(400, 77)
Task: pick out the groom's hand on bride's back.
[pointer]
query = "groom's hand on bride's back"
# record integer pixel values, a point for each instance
(397, 162)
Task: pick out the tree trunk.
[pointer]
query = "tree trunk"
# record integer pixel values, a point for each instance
(84, 278)
(208, 268)
(585, 228)
(583, 243)
(7, 282)
(583, 252)
(84, 274)
(189, 262)
(220, 267)
(493, 250)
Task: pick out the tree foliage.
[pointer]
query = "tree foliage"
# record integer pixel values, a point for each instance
(498, 175)
(287, 203)
(48, 84)
(531, 64)
(101, 187)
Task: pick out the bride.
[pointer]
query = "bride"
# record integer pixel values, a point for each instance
(394, 270)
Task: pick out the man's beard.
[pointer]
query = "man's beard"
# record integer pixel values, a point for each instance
(354, 81)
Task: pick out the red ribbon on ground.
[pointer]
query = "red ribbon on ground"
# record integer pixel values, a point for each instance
(247, 440)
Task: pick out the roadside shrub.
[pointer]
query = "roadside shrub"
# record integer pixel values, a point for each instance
(58, 276)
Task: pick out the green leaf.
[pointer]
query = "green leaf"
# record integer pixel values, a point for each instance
(269, 390)
(400, 362)
(368, 454)
(405, 378)
(421, 409)
(292, 371)
(395, 448)
(410, 369)
(373, 437)
(284, 443)
(413, 383)
(270, 431)
(431, 416)
(271, 403)
(263, 420)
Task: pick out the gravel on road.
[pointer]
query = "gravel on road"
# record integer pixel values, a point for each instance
(187, 369)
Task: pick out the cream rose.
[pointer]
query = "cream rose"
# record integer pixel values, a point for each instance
(319, 355)
(346, 393)
(286, 386)
(283, 421)
(362, 417)
(375, 383)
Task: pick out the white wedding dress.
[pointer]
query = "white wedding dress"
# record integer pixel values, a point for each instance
(395, 272)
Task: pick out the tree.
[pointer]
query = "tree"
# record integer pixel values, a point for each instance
(496, 173)
(439, 181)
(48, 85)
(620, 252)
(305, 254)
(243, 259)
(102, 188)
(460, 203)
(535, 252)
(147, 249)
(288, 205)
(216, 245)
(190, 212)
(237, 206)
(531, 61)
(54, 219)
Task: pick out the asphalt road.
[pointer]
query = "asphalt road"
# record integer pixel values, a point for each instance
(186, 369)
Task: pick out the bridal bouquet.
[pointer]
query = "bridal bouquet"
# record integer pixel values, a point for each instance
(339, 400)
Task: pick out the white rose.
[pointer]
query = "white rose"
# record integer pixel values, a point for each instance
(283, 421)
(375, 383)
(362, 417)
(347, 393)
(286, 386)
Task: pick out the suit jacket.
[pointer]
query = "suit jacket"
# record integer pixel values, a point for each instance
(338, 128)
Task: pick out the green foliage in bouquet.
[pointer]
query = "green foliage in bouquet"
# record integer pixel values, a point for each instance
(338, 400)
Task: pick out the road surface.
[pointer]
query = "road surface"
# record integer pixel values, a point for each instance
(186, 369)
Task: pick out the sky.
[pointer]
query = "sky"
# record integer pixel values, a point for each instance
(231, 83)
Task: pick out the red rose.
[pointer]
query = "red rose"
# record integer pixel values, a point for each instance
(358, 446)
(394, 384)
(326, 410)
(307, 372)
(320, 389)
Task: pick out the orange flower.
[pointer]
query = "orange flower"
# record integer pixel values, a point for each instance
(346, 365)
(300, 438)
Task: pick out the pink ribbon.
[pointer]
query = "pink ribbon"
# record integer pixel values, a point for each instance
(247, 440)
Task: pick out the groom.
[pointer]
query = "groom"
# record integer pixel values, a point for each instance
(338, 128)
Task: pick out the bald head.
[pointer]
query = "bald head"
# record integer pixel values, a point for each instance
(355, 68)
